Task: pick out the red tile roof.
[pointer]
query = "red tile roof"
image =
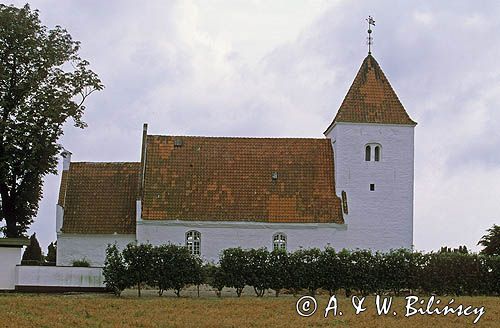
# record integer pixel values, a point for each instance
(99, 198)
(231, 179)
(371, 99)
(226, 179)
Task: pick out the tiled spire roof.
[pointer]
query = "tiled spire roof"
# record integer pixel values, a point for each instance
(371, 99)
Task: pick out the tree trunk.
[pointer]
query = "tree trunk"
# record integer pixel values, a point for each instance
(9, 213)
(11, 231)
(139, 289)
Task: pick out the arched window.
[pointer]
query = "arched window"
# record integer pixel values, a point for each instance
(193, 242)
(373, 152)
(377, 153)
(279, 241)
(368, 152)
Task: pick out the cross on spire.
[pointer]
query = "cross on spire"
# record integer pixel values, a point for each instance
(371, 22)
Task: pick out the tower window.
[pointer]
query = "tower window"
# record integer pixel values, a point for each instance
(368, 153)
(372, 187)
(193, 242)
(373, 152)
(279, 241)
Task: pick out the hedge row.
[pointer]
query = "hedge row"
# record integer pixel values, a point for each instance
(362, 272)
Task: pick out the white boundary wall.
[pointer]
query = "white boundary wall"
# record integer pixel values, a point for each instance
(9, 258)
(52, 276)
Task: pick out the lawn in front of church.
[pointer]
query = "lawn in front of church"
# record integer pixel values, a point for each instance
(106, 310)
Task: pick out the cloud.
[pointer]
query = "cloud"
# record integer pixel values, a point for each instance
(264, 70)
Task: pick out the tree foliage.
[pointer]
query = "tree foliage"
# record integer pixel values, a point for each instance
(174, 267)
(114, 271)
(214, 277)
(165, 267)
(258, 270)
(461, 249)
(332, 275)
(233, 262)
(279, 275)
(43, 83)
(360, 272)
(138, 259)
(491, 241)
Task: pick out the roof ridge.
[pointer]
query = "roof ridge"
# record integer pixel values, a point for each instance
(234, 137)
(84, 162)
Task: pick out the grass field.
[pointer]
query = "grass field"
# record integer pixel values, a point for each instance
(104, 310)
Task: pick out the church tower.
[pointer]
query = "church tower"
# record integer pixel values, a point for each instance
(372, 137)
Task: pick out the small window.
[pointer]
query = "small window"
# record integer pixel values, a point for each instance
(344, 202)
(193, 242)
(372, 187)
(279, 241)
(177, 142)
(377, 153)
(368, 152)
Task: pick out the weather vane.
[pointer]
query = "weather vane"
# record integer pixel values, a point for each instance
(371, 22)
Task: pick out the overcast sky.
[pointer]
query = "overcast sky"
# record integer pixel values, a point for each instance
(282, 68)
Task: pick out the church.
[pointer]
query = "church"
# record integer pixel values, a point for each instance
(352, 189)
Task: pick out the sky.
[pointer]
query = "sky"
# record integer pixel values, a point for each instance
(281, 69)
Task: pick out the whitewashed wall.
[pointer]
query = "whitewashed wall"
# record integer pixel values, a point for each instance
(216, 236)
(71, 247)
(380, 219)
(9, 258)
(47, 276)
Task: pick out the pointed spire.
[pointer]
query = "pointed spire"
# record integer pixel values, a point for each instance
(371, 99)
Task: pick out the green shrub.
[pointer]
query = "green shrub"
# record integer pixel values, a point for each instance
(233, 262)
(278, 271)
(331, 274)
(174, 267)
(138, 260)
(114, 271)
(81, 263)
(33, 253)
(257, 272)
(50, 259)
(214, 277)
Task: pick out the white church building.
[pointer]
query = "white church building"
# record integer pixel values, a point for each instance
(351, 189)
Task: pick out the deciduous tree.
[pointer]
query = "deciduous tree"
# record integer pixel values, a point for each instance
(138, 261)
(43, 83)
(491, 241)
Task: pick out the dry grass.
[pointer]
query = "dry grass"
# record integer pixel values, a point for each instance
(98, 310)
